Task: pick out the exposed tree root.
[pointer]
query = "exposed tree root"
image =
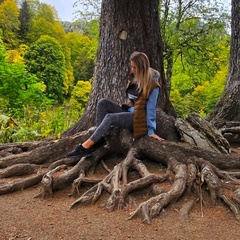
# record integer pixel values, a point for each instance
(112, 183)
(233, 206)
(188, 177)
(152, 207)
(47, 182)
(187, 207)
(21, 184)
(236, 196)
(191, 178)
(18, 170)
(231, 131)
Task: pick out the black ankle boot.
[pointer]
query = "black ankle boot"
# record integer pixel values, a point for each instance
(80, 151)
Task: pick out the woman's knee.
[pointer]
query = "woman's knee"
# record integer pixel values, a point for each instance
(102, 101)
(110, 118)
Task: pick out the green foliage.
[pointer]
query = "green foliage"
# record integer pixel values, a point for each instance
(26, 93)
(46, 60)
(48, 121)
(39, 27)
(92, 29)
(57, 119)
(8, 126)
(80, 95)
(178, 103)
(18, 87)
(83, 49)
(205, 96)
(202, 98)
(46, 12)
(2, 51)
(191, 33)
(83, 52)
(43, 21)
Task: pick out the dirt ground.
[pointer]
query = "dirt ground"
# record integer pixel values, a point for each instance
(24, 217)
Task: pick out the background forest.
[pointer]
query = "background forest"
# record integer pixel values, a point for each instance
(46, 66)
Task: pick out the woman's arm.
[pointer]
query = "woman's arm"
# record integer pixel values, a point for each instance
(151, 114)
(151, 111)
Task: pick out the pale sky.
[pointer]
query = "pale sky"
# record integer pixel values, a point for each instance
(66, 10)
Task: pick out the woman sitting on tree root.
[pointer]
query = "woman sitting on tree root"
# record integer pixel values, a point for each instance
(138, 114)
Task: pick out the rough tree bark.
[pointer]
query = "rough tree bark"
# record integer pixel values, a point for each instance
(199, 168)
(226, 114)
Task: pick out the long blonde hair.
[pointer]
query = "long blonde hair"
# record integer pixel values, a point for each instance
(143, 75)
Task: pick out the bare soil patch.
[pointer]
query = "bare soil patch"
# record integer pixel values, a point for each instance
(24, 217)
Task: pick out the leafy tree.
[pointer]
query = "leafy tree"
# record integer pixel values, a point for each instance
(83, 44)
(92, 29)
(39, 26)
(191, 31)
(208, 87)
(47, 12)
(59, 34)
(9, 23)
(44, 21)
(83, 52)
(45, 58)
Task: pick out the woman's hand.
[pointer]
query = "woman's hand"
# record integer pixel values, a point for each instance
(155, 136)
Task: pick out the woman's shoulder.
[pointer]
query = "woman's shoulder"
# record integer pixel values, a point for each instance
(155, 74)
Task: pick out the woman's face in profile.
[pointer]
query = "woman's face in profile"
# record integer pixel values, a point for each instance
(133, 68)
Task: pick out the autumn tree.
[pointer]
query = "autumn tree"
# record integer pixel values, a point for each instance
(9, 23)
(200, 166)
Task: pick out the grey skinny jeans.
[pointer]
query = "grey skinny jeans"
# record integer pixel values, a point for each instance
(109, 113)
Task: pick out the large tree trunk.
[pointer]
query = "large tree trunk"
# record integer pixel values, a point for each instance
(125, 26)
(226, 114)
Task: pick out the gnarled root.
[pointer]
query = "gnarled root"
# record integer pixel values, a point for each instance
(47, 183)
(219, 183)
(119, 190)
(152, 207)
